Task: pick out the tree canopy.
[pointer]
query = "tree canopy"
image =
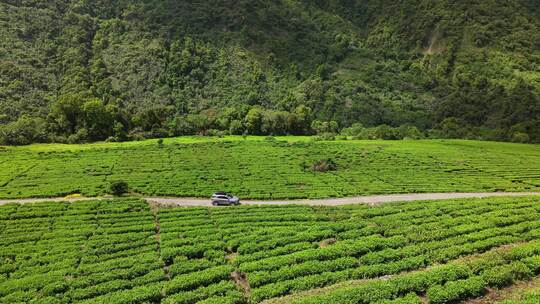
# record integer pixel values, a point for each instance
(87, 70)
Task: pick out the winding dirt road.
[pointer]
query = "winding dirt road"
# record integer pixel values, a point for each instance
(371, 200)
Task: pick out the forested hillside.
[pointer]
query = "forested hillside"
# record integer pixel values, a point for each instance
(86, 70)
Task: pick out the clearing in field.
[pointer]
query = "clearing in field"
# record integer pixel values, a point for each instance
(287, 168)
(126, 251)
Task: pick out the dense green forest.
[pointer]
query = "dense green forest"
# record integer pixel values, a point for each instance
(87, 70)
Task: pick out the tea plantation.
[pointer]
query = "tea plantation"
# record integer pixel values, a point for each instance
(258, 168)
(127, 251)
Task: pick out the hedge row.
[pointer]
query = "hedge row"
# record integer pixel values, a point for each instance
(445, 284)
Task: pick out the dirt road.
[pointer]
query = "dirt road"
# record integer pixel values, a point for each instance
(371, 200)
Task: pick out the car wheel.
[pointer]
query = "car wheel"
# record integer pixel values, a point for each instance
(214, 204)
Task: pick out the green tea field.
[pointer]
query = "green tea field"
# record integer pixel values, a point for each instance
(128, 251)
(262, 169)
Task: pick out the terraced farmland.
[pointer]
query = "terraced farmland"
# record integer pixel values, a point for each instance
(125, 251)
(94, 252)
(260, 169)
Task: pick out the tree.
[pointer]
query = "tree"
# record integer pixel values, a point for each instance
(180, 126)
(453, 128)
(275, 122)
(253, 120)
(97, 119)
(236, 127)
(119, 188)
(324, 126)
(386, 132)
(67, 112)
(285, 61)
(24, 131)
(303, 119)
(317, 126)
(409, 132)
(333, 126)
(323, 71)
(199, 122)
(119, 131)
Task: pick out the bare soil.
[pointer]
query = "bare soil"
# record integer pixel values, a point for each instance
(241, 281)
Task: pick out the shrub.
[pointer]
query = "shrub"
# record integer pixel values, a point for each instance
(140, 294)
(324, 165)
(217, 133)
(411, 298)
(201, 293)
(187, 266)
(507, 274)
(456, 291)
(55, 288)
(520, 137)
(326, 136)
(261, 278)
(119, 188)
(353, 130)
(533, 263)
(194, 280)
(99, 289)
(232, 297)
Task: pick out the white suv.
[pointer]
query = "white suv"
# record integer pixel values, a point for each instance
(224, 199)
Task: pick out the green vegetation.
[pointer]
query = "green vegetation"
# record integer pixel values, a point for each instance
(252, 167)
(89, 70)
(86, 252)
(119, 187)
(122, 251)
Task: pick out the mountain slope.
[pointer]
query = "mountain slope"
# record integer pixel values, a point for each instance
(94, 69)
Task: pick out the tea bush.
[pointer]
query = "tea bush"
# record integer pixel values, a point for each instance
(121, 251)
(260, 169)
